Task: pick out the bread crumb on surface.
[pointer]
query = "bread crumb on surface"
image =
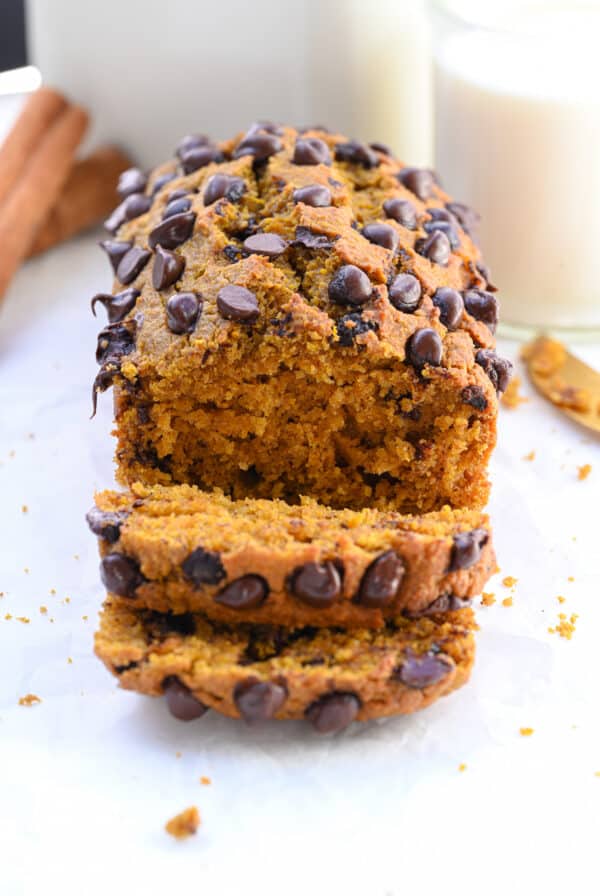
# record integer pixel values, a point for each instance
(70, 660)
(24, 619)
(43, 610)
(462, 767)
(205, 780)
(571, 579)
(597, 774)
(488, 598)
(509, 581)
(512, 398)
(29, 700)
(526, 732)
(530, 456)
(507, 602)
(185, 824)
(178, 754)
(24, 508)
(560, 598)
(565, 626)
(584, 471)
(8, 617)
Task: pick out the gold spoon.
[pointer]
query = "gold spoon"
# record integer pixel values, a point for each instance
(567, 382)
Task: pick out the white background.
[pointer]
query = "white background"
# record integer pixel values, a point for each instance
(89, 777)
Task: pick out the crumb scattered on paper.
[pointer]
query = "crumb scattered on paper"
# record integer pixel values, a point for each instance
(584, 471)
(530, 456)
(205, 780)
(509, 581)
(488, 598)
(507, 602)
(526, 732)
(24, 619)
(24, 508)
(565, 626)
(43, 610)
(560, 598)
(462, 767)
(29, 700)
(185, 824)
(512, 397)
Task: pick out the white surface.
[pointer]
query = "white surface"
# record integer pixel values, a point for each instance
(89, 777)
(525, 106)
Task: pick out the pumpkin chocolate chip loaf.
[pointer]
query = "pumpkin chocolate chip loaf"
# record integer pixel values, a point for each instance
(296, 313)
(178, 549)
(326, 676)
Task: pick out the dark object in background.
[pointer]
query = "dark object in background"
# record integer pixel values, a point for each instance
(13, 53)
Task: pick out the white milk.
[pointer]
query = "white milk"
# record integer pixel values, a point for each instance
(518, 137)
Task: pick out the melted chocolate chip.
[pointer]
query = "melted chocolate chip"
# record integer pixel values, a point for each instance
(244, 593)
(106, 524)
(424, 347)
(436, 248)
(405, 293)
(381, 581)
(422, 670)
(173, 232)
(168, 268)
(237, 303)
(116, 250)
(311, 151)
(117, 306)
(450, 305)
(161, 181)
(176, 207)
(352, 325)
(445, 603)
(269, 244)
(482, 306)
(104, 380)
(419, 181)
(132, 207)
(350, 286)
(196, 157)
(465, 215)
(314, 195)
(445, 227)
(333, 712)
(120, 574)
(402, 211)
(475, 396)
(183, 310)
(259, 144)
(181, 702)
(467, 547)
(114, 341)
(498, 369)
(131, 181)
(311, 240)
(191, 141)
(257, 700)
(179, 193)
(203, 567)
(221, 186)
(316, 584)
(382, 235)
(133, 263)
(356, 154)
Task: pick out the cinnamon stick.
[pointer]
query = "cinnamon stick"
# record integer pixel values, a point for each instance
(40, 183)
(86, 198)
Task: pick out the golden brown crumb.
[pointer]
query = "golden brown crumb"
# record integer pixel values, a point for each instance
(24, 508)
(530, 456)
(584, 471)
(462, 767)
(526, 732)
(565, 626)
(67, 600)
(8, 617)
(53, 591)
(205, 780)
(178, 755)
(24, 619)
(488, 598)
(26, 569)
(507, 602)
(185, 824)
(43, 610)
(544, 356)
(571, 579)
(29, 700)
(512, 398)
(597, 774)
(85, 618)
(509, 581)
(70, 660)
(560, 599)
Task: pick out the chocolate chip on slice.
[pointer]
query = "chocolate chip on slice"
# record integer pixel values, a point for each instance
(181, 702)
(475, 396)
(238, 303)
(176, 207)
(419, 181)
(422, 670)
(221, 186)
(382, 235)
(424, 347)
(179, 193)
(265, 125)
(352, 325)
(183, 310)
(115, 250)
(310, 240)
(357, 154)
(498, 369)
(449, 303)
(440, 214)
(466, 216)
(133, 263)
(402, 211)
(350, 286)
(405, 293)
(199, 157)
(257, 700)
(316, 584)
(333, 712)
(383, 148)
(106, 524)
(446, 227)
(167, 269)
(191, 141)
(132, 207)
(120, 574)
(381, 581)
(269, 244)
(436, 248)
(131, 181)
(117, 306)
(259, 144)
(244, 593)
(466, 549)
(114, 341)
(172, 232)
(311, 151)
(161, 181)
(482, 306)
(203, 567)
(314, 195)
